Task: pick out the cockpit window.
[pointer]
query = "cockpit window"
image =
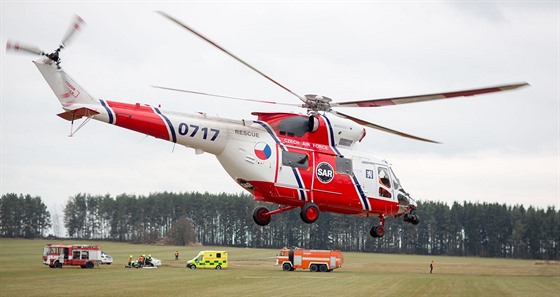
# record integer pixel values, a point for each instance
(384, 182)
(396, 180)
(384, 177)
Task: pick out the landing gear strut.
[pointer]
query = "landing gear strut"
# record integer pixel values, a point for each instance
(262, 216)
(309, 213)
(379, 230)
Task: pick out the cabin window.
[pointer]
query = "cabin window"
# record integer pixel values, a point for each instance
(294, 126)
(76, 255)
(218, 255)
(344, 165)
(85, 255)
(295, 159)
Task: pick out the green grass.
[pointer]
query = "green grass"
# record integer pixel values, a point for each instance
(252, 273)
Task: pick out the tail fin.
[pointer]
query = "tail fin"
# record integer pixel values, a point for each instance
(65, 88)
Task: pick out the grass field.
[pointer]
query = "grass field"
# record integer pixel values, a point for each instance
(252, 273)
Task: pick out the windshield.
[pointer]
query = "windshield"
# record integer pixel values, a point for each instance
(396, 180)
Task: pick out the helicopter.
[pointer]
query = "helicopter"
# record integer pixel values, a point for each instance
(307, 161)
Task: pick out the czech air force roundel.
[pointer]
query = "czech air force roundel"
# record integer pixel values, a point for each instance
(263, 151)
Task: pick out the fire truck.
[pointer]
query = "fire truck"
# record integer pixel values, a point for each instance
(315, 260)
(83, 255)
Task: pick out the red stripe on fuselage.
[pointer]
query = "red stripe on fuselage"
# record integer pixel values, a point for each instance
(140, 118)
(270, 192)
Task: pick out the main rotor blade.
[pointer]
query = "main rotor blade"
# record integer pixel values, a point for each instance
(20, 47)
(77, 24)
(227, 97)
(427, 97)
(229, 53)
(381, 128)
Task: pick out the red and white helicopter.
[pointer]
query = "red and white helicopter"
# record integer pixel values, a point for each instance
(305, 161)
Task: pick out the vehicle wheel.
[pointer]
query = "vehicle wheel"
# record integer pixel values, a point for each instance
(377, 231)
(219, 267)
(313, 268)
(192, 266)
(286, 267)
(89, 265)
(260, 217)
(323, 268)
(309, 213)
(57, 264)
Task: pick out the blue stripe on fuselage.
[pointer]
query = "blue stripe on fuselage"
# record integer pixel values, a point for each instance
(169, 125)
(301, 189)
(109, 111)
(331, 136)
(361, 193)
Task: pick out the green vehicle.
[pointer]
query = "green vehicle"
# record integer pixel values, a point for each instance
(209, 260)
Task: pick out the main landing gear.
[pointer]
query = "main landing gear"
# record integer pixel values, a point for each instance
(309, 213)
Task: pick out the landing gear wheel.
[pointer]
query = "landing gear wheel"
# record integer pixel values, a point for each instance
(377, 231)
(260, 216)
(309, 213)
(287, 267)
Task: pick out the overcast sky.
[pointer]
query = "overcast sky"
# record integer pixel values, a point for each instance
(502, 147)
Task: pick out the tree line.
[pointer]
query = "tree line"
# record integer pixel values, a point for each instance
(23, 216)
(462, 229)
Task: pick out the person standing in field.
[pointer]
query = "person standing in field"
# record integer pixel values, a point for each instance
(431, 266)
(176, 255)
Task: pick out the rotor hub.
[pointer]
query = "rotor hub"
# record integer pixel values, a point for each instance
(318, 102)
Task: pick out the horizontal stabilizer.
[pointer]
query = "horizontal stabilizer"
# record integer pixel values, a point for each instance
(77, 114)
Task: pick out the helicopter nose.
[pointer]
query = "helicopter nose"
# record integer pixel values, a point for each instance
(412, 203)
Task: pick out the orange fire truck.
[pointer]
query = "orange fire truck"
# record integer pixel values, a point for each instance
(315, 260)
(83, 255)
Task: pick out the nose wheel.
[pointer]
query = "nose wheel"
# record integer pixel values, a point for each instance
(379, 230)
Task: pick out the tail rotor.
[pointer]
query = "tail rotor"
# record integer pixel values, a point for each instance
(15, 46)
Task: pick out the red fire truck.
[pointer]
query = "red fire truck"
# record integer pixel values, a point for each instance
(315, 260)
(83, 255)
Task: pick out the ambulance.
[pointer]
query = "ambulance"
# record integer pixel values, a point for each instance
(315, 260)
(209, 259)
